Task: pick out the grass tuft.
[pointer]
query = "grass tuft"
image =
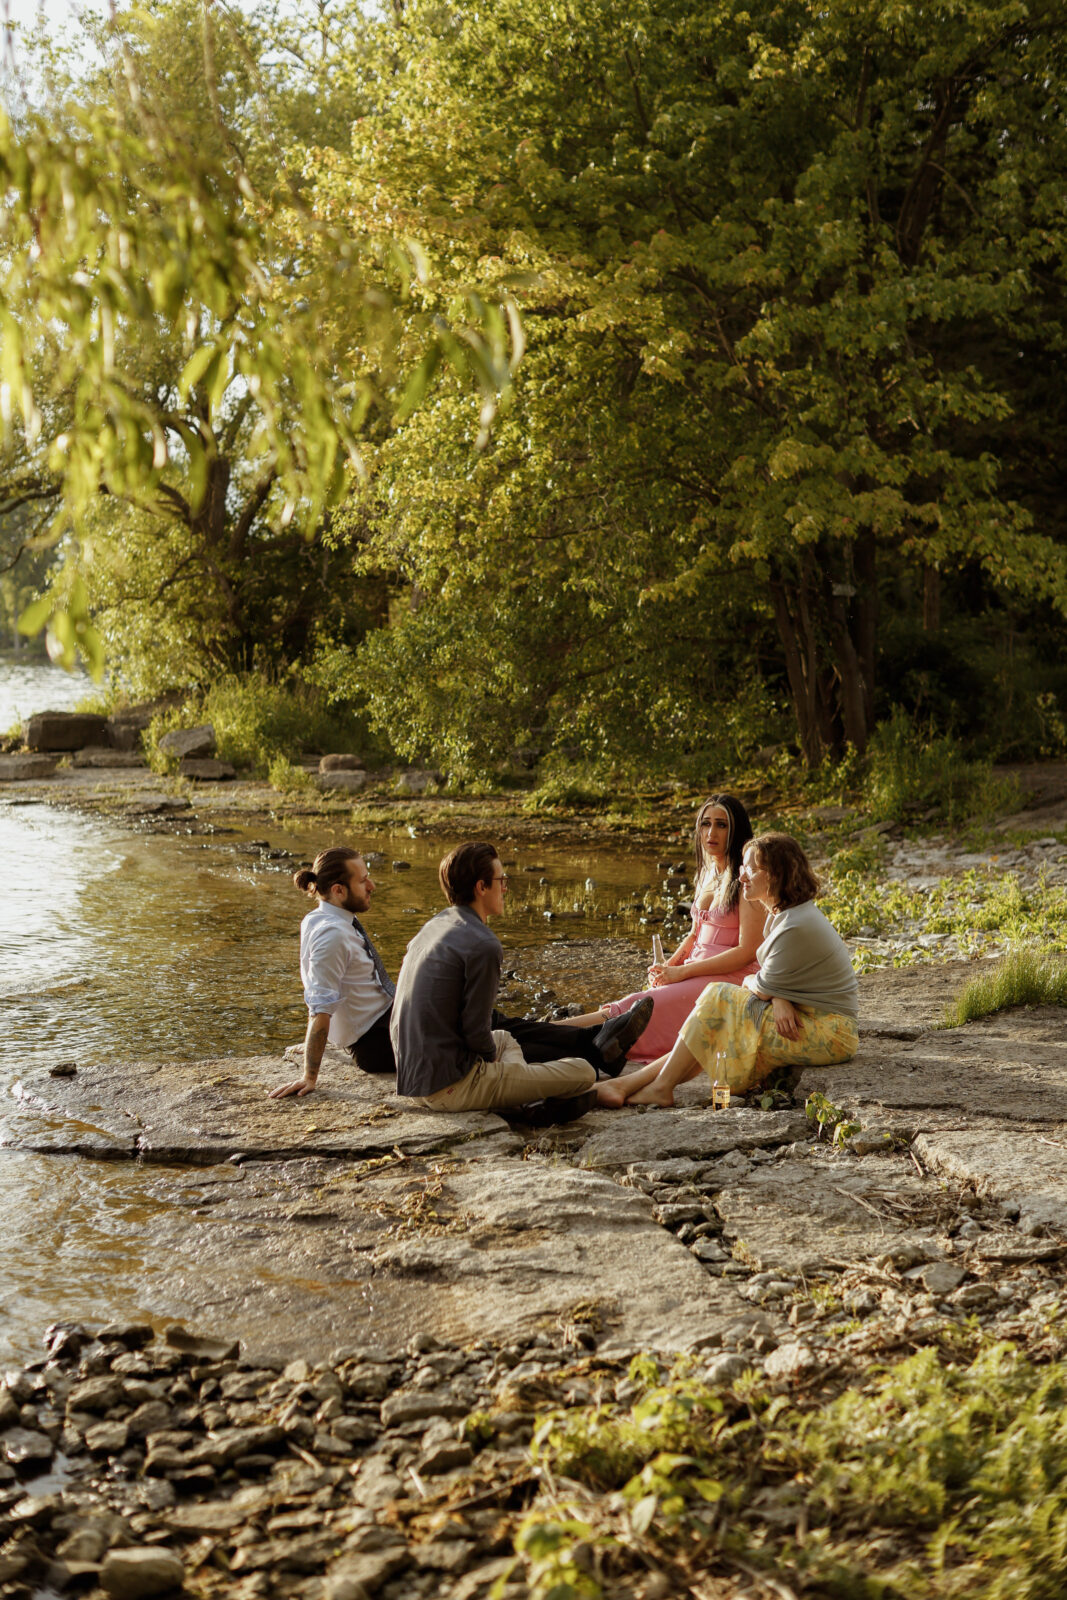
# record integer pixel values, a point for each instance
(1023, 978)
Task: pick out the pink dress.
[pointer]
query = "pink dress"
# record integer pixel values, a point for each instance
(715, 931)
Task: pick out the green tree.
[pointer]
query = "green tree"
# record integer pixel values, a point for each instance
(795, 279)
(190, 354)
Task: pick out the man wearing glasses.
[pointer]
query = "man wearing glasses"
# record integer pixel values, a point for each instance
(349, 994)
(449, 1056)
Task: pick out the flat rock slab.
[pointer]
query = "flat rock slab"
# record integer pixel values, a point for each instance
(636, 1136)
(1027, 1165)
(304, 1256)
(795, 1215)
(23, 766)
(206, 1111)
(105, 758)
(914, 997)
(1011, 1067)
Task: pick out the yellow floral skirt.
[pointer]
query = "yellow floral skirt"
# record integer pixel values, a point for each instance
(732, 1035)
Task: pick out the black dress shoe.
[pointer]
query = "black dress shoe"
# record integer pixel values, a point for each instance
(619, 1033)
(555, 1111)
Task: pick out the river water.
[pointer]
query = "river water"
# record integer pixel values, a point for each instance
(116, 946)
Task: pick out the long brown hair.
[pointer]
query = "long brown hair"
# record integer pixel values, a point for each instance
(329, 867)
(727, 888)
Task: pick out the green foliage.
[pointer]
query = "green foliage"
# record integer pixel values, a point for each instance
(785, 325)
(976, 908)
(288, 778)
(261, 724)
(183, 342)
(829, 1118)
(924, 1481)
(1025, 977)
(912, 772)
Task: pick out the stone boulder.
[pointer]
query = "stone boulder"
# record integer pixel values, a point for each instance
(341, 762)
(21, 767)
(193, 742)
(206, 771)
(417, 780)
(64, 730)
(348, 782)
(128, 724)
(99, 755)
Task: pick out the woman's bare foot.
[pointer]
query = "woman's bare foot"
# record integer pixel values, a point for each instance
(611, 1094)
(652, 1095)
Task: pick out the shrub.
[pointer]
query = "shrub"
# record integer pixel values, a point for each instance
(913, 771)
(259, 721)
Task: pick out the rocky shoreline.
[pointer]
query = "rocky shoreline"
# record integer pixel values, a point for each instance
(412, 1293)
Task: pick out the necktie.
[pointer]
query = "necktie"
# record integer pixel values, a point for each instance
(379, 967)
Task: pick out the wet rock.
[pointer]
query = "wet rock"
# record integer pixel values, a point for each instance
(24, 1447)
(21, 768)
(201, 1346)
(86, 1544)
(107, 1438)
(141, 1571)
(134, 1335)
(63, 1069)
(96, 1394)
(64, 730)
(191, 742)
(203, 769)
(149, 805)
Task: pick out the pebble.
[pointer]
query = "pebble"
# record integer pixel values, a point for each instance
(141, 1571)
(725, 1368)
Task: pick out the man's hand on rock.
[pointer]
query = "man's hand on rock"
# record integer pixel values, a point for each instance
(301, 1087)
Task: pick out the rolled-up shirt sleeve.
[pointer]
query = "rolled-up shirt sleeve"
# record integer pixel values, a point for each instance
(323, 965)
(482, 979)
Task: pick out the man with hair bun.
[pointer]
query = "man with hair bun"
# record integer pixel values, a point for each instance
(453, 1051)
(349, 994)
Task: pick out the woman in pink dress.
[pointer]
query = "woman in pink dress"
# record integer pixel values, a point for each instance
(719, 948)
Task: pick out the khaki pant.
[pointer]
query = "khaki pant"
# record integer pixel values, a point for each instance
(511, 1081)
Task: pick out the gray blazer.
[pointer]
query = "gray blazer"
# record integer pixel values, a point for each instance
(441, 1023)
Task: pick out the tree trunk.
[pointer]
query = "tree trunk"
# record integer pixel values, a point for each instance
(801, 667)
(931, 600)
(828, 628)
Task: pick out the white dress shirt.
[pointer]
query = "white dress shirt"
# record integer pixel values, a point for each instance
(338, 975)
